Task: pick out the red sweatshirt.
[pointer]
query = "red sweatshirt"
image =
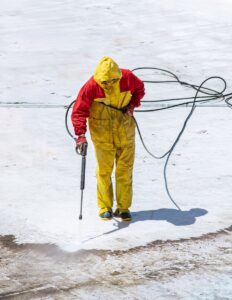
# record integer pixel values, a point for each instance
(91, 90)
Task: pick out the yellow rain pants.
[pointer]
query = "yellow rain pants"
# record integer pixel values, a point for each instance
(113, 136)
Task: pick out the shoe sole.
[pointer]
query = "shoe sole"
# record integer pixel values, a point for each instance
(106, 219)
(127, 220)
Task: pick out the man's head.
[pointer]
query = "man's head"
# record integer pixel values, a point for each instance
(107, 73)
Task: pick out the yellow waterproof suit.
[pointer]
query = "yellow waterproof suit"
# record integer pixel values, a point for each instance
(112, 131)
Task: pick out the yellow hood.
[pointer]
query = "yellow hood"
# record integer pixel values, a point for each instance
(106, 69)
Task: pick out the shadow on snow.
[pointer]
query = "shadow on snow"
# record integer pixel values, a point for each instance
(170, 215)
(174, 216)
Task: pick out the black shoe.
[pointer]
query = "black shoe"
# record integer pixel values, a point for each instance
(107, 215)
(125, 216)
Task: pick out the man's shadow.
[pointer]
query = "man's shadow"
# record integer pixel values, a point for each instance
(174, 216)
(170, 215)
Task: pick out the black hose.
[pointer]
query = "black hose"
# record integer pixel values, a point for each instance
(212, 95)
(66, 120)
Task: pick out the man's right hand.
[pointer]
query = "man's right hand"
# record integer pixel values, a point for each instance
(80, 141)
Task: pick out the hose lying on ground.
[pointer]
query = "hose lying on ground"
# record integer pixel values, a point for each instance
(209, 95)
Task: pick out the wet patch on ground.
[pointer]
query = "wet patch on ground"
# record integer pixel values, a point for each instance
(33, 271)
(9, 241)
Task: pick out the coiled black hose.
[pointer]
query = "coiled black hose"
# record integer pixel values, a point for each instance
(209, 96)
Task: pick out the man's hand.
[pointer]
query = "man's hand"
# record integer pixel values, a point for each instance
(80, 141)
(130, 111)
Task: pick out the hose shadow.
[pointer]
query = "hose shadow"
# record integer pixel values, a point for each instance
(173, 216)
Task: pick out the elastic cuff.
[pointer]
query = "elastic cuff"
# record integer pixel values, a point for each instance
(104, 209)
(121, 210)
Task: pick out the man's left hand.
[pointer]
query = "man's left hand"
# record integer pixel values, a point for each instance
(130, 111)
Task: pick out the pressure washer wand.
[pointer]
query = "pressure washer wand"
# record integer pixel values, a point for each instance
(83, 153)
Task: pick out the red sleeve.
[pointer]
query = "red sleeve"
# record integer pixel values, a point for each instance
(137, 90)
(81, 108)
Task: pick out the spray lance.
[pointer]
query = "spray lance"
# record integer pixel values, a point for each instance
(80, 151)
(83, 152)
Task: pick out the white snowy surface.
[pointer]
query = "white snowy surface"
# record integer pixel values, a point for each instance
(41, 175)
(48, 49)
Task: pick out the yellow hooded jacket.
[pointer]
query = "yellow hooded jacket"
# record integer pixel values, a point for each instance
(112, 132)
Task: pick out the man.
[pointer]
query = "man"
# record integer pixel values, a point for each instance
(108, 99)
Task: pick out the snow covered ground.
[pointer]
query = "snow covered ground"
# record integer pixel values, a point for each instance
(48, 49)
